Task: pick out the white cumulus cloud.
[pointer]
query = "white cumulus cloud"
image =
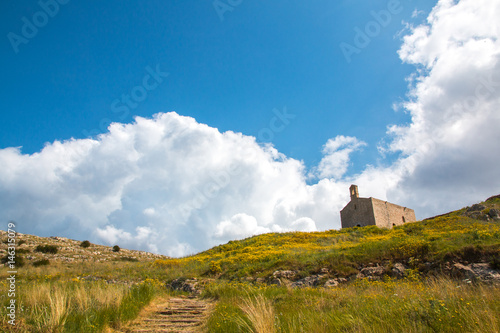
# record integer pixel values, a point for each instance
(166, 184)
(450, 146)
(336, 158)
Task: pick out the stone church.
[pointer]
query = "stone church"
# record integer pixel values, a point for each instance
(360, 212)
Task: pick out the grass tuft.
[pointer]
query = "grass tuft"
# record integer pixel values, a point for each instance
(260, 314)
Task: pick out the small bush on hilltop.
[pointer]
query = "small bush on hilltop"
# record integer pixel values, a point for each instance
(47, 249)
(85, 244)
(116, 248)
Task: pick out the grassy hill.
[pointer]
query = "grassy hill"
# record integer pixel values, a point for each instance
(467, 235)
(435, 275)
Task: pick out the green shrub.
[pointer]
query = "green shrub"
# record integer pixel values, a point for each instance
(85, 244)
(19, 251)
(116, 248)
(42, 262)
(495, 263)
(18, 260)
(214, 268)
(47, 249)
(21, 242)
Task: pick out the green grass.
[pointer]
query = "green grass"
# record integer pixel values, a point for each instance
(436, 305)
(74, 306)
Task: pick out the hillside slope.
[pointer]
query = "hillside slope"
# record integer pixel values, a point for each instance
(69, 250)
(468, 235)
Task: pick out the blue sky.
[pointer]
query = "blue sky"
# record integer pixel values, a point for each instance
(229, 74)
(234, 118)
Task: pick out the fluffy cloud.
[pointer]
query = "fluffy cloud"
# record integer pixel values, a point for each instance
(450, 146)
(172, 185)
(239, 226)
(167, 184)
(336, 159)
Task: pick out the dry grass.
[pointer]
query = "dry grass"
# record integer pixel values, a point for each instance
(98, 296)
(58, 301)
(107, 296)
(260, 313)
(49, 307)
(82, 300)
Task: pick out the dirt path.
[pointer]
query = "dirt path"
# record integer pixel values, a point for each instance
(176, 314)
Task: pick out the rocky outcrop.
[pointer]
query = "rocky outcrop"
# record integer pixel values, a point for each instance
(475, 208)
(310, 281)
(332, 283)
(289, 275)
(318, 280)
(481, 212)
(187, 285)
(371, 273)
(398, 270)
(494, 214)
(477, 272)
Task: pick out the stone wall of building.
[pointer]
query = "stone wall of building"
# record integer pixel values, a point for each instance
(358, 212)
(361, 212)
(388, 215)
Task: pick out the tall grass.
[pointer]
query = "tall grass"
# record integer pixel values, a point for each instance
(438, 305)
(48, 308)
(71, 306)
(260, 313)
